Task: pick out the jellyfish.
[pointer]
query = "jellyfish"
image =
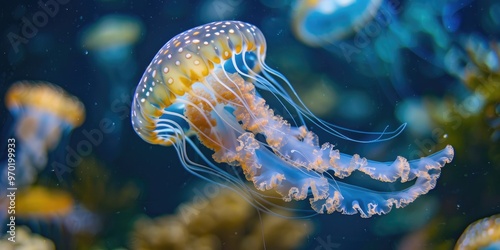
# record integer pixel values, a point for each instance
(355, 31)
(482, 234)
(52, 212)
(318, 23)
(210, 82)
(44, 115)
(110, 43)
(375, 34)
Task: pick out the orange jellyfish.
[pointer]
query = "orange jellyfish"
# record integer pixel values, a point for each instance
(43, 115)
(206, 82)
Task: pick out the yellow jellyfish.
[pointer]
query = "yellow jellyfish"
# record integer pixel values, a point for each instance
(112, 31)
(43, 203)
(43, 115)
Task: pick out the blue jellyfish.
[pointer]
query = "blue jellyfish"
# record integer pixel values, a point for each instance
(375, 34)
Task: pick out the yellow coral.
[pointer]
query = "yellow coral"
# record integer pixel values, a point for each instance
(27, 241)
(225, 221)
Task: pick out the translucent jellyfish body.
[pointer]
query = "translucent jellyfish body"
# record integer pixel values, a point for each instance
(187, 90)
(44, 114)
(377, 35)
(320, 23)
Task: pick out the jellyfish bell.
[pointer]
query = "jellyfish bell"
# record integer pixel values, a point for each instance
(111, 37)
(188, 81)
(481, 234)
(44, 116)
(51, 212)
(321, 22)
(24, 96)
(187, 59)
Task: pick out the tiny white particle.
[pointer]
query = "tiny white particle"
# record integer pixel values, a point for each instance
(143, 100)
(165, 70)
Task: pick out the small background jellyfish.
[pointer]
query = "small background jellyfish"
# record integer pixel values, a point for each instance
(52, 213)
(381, 39)
(43, 117)
(110, 42)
